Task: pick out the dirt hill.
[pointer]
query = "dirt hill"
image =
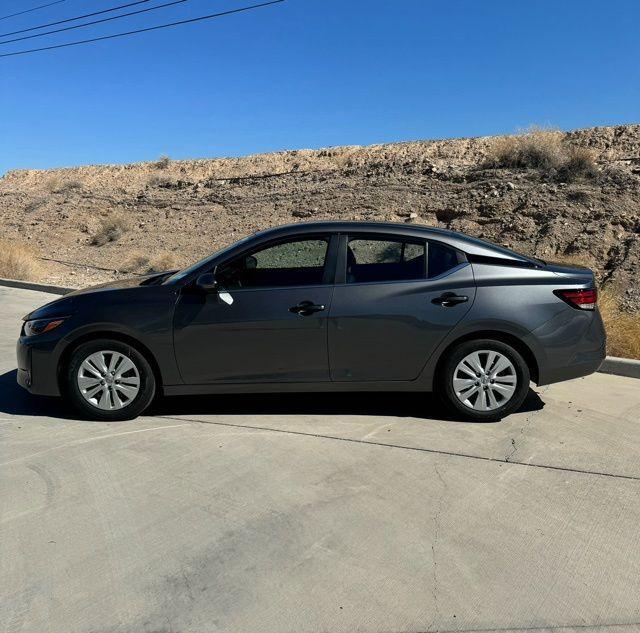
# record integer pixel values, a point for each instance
(543, 194)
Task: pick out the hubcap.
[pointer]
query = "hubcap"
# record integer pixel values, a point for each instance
(485, 380)
(108, 380)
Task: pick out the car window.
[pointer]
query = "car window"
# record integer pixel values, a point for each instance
(294, 263)
(370, 260)
(441, 258)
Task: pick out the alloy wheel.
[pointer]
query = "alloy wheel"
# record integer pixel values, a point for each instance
(108, 380)
(485, 380)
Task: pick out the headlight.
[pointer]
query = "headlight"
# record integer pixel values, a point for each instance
(40, 326)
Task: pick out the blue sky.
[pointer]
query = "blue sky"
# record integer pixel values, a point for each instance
(313, 73)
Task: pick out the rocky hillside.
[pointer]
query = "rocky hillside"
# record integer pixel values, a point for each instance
(105, 220)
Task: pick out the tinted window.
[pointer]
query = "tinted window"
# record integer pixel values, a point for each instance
(441, 258)
(384, 260)
(297, 263)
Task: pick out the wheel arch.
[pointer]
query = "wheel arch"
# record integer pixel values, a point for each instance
(63, 361)
(510, 339)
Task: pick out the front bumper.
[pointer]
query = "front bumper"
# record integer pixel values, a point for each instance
(37, 366)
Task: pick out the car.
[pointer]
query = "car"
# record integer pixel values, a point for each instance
(322, 307)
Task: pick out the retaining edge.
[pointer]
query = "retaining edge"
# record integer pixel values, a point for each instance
(620, 367)
(29, 285)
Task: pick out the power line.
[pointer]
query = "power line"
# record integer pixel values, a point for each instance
(79, 17)
(42, 6)
(79, 26)
(150, 28)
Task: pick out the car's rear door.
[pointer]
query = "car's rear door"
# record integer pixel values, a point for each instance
(268, 322)
(395, 300)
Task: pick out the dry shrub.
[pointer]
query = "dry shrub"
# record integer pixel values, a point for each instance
(162, 163)
(544, 150)
(57, 185)
(623, 328)
(533, 149)
(143, 264)
(136, 263)
(34, 205)
(111, 229)
(159, 181)
(69, 185)
(18, 261)
(162, 263)
(579, 164)
(53, 184)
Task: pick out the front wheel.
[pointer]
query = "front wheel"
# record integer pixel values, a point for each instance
(484, 380)
(109, 380)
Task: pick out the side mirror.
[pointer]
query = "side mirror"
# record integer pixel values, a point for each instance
(207, 282)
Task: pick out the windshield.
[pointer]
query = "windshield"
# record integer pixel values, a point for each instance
(181, 274)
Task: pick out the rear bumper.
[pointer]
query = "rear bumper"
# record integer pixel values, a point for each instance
(37, 367)
(580, 365)
(571, 345)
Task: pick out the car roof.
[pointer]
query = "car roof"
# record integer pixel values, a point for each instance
(460, 241)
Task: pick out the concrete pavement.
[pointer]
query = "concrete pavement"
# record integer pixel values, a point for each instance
(318, 512)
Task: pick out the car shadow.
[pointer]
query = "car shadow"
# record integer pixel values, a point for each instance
(15, 400)
(425, 406)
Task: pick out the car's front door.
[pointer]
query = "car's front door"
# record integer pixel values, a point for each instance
(267, 322)
(391, 309)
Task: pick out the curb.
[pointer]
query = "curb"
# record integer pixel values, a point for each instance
(610, 365)
(620, 367)
(28, 285)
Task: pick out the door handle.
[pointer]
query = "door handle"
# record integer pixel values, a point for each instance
(306, 308)
(449, 299)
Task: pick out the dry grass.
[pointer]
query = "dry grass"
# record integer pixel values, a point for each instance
(623, 328)
(543, 150)
(111, 229)
(18, 261)
(143, 264)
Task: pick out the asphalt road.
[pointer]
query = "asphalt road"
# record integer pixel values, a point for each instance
(300, 513)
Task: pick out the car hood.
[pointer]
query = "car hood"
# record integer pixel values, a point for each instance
(66, 305)
(133, 282)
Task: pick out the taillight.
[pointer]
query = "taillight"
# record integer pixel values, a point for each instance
(582, 299)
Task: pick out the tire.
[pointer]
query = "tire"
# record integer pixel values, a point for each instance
(486, 396)
(121, 395)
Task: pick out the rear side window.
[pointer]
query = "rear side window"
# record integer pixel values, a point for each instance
(441, 259)
(371, 260)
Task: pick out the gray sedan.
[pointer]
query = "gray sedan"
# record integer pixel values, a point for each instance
(318, 307)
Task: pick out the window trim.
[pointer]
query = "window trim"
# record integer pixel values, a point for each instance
(328, 273)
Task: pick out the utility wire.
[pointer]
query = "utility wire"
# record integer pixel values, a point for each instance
(150, 28)
(79, 26)
(79, 17)
(42, 6)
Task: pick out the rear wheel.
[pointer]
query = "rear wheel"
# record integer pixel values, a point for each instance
(109, 380)
(484, 380)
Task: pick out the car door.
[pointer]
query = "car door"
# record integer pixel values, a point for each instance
(266, 323)
(397, 299)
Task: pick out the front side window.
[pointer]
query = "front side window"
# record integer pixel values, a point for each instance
(373, 260)
(294, 263)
